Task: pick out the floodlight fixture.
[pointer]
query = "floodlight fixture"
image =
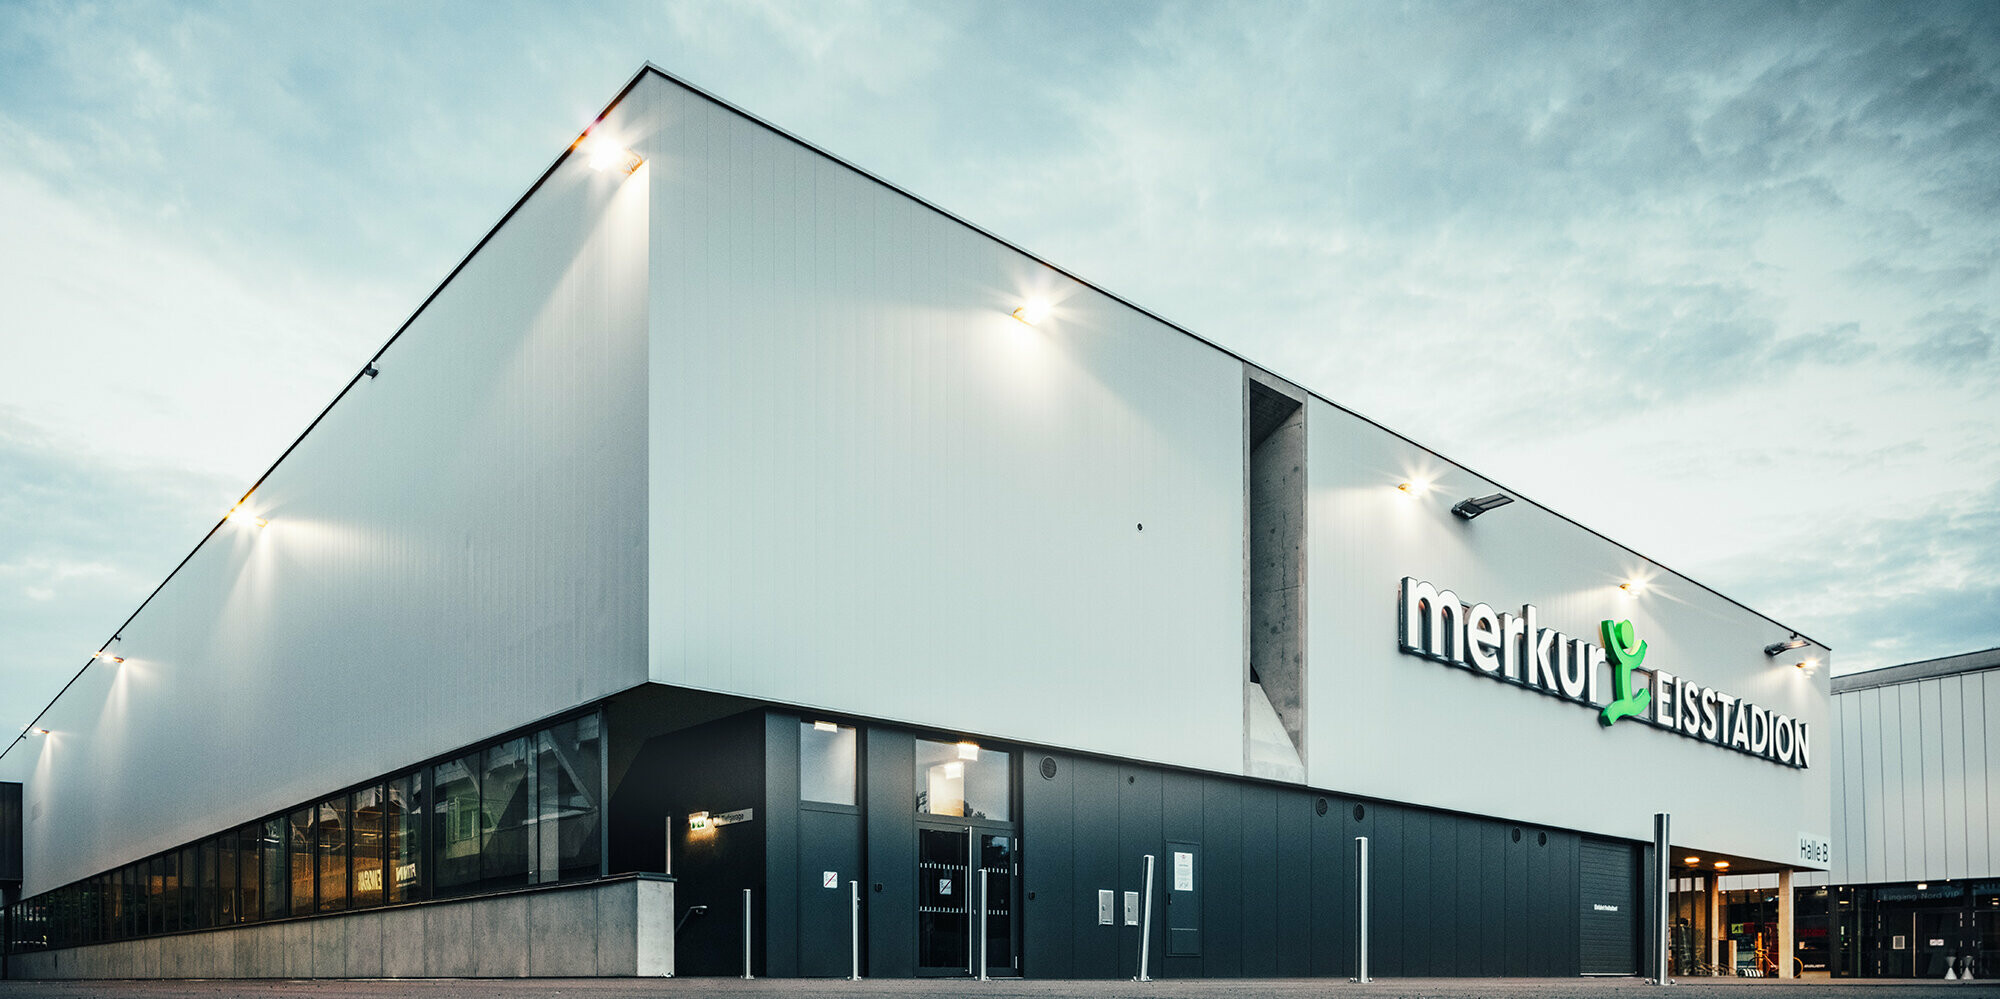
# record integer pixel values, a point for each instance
(1795, 642)
(1470, 508)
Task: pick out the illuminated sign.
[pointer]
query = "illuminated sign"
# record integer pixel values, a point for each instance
(1438, 626)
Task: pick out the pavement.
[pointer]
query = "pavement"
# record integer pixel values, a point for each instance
(793, 988)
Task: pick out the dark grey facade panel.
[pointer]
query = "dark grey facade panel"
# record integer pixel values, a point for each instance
(1273, 876)
(889, 792)
(1608, 908)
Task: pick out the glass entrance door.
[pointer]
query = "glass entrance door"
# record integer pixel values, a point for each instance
(965, 882)
(942, 912)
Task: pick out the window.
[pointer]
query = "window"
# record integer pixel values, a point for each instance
(209, 906)
(330, 834)
(277, 878)
(225, 852)
(504, 812)
(961, 779)
(368, 846)
(250, 873)
(299, 851)
(826, 762)
(404, 822)
(566, 786)
(526, 810)
(456, 828)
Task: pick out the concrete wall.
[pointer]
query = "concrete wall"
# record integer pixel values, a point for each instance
(458, 548)
(1917, 780)
(614, 928)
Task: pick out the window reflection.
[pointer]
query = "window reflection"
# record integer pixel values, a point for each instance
(962, 779)
(515, 812)
(826, 762)
(330, 834)
(299, 843)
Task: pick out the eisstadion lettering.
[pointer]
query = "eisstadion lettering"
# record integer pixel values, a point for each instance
(1437, 625)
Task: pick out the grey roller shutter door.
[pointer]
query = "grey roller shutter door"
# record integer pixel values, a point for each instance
(1610, 903)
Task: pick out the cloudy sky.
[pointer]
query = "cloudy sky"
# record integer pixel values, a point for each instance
(1719, 281)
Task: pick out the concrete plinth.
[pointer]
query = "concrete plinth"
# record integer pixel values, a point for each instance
(612, 928)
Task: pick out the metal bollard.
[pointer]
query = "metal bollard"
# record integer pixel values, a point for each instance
(1662, 871)
(746, 936)
(983, 877)
(1146, 926)
(854, 924)
(1361, 910)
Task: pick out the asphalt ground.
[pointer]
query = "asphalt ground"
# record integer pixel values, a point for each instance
(792, 988)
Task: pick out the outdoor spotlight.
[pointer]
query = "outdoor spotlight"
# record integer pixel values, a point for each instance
(1470, 508)
(1033, 312)
(1694, 860)
(1921, 885)
(1722, 865)
(106, 654)
(605, 154)
(1633, 587)
(1778, 647)
(1416, 487)
(825, 726)
(43, 731)
(1807, 664)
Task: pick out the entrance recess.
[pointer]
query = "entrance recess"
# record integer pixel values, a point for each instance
(952, 863)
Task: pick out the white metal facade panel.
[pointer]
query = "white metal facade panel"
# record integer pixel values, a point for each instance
(1917, 765)
(457, 549)
(873, 491)
(1404, 728)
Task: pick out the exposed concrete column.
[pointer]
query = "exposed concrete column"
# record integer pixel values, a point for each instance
(1786, 942)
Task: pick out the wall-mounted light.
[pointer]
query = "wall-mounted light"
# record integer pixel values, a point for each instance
(1807, 665)
(1922, 885)
(968, 751)
(1415, 487)
(43, 731)
(825, 726)
(1633, 587)
(1033, 312)
(1691, 861)
(1722, 865)
(241, 512)
(371, 371)
(1777, 648)
(105, 654)
(697, 821)
(603, 154)
(1470, 508)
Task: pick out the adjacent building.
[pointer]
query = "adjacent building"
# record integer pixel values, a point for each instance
(738, 558)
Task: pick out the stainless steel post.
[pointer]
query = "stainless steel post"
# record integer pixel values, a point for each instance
(1662, 872)
(971, 865)
(983, 962)
(1361, 910)
(746, 935)
(1146, 926)
(854, 930)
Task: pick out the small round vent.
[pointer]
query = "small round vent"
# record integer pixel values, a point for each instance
(1541, 839)
(1360, 812)
(1320, 806)
(1048, 768)
(1517, 835)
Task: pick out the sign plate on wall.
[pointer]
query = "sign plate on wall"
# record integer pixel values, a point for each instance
(1183, 871)
(731, 818)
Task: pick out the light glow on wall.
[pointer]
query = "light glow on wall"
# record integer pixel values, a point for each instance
(605, 153)
(1034, 311)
